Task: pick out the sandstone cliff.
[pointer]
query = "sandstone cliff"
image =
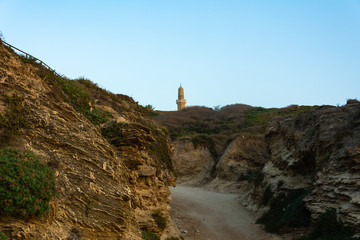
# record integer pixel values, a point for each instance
(111, 160)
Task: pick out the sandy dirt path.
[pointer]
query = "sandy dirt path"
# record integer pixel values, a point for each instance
(204, 215)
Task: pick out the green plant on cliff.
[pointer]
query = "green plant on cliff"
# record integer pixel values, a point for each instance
(1, 37)
(328, 227)
(26, 185)
(286, 210)
(112, 130)
(159, 147)
(253, 176)
(73, 92)
(81, 100)
(97, 116)
(267, 196)
(159, 219)
(149, 235)
(15, 116)
(2, 236)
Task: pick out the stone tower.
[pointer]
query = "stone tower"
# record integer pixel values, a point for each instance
(181, 101)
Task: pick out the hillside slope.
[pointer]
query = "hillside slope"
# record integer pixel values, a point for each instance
(110, 160)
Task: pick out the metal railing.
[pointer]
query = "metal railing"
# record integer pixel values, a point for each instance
(28, 56)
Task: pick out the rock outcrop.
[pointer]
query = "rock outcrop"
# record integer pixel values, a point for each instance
(106, 189)
(192, 164)
(318, 150)
(243, 154)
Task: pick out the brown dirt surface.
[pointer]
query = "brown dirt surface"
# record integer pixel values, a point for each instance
(204, 215)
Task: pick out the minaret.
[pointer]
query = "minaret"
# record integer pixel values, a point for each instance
(181, 101)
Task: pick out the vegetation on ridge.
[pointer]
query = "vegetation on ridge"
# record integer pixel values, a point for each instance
(92, 101)
(73, 92)
(229, 119)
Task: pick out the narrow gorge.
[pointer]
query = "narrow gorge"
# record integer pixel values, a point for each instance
(295, 168)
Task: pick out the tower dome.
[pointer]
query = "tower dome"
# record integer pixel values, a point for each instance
(181, 101)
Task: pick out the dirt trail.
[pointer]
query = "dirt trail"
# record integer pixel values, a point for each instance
(204, 215)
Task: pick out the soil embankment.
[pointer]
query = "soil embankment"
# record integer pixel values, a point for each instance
(202, 215)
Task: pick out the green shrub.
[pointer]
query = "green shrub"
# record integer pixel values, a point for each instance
(286, 210)
(267, 196)
(257, 116)
(112, 130)
(2, 236)
(76, 94)
(26, 185)
(1, 37)
(28, 59)
(253, 176)
(328, 227)
(159, 219)
(149, 235)
(80, 99)
(16, 113)
(150, 107)
(159, 148)
(97, 116)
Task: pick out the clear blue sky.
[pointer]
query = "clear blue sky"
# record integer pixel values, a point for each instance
(269, 53)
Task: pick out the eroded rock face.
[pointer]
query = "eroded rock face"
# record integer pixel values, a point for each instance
(98, 196)
(319, 150)
(243, 153)
(192, 165)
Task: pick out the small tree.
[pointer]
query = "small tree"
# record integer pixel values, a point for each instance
(149, 107)
(2, 37)
(217, 107)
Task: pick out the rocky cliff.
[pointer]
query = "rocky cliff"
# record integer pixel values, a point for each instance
(318, 150)
(111, 161)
